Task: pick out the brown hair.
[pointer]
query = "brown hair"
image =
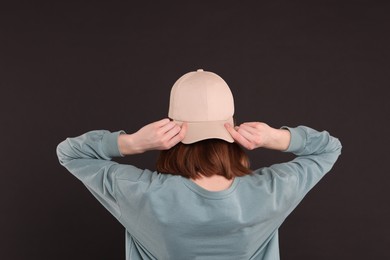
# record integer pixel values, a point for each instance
(207, 157)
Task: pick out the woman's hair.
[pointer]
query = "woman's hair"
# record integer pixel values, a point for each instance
(207, 157)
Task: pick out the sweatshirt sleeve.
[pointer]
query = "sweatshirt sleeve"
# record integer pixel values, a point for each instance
(88, 157)
(316, 154)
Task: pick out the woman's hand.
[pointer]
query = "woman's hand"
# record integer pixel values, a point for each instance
(160, 135)
(253, 135)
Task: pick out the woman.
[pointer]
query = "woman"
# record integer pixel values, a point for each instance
(203, 201)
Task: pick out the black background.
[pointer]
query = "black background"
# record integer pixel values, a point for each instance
(71, 67)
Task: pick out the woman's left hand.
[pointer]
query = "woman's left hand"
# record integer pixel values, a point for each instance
(159, 135)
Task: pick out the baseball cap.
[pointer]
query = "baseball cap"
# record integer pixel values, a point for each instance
(203, 100)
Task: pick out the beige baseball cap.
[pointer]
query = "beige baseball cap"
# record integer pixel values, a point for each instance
(203, 100)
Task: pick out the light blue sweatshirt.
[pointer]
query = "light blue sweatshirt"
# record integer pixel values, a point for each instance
(171, 217)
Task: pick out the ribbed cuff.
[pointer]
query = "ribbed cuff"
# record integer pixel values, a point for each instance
(297, 141)
(110, 144)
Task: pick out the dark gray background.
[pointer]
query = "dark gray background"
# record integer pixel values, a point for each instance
(71, 67)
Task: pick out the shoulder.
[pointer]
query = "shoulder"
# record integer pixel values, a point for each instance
(271, 175)
(131, 173)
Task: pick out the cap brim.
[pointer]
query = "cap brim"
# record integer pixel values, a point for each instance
(198, 131)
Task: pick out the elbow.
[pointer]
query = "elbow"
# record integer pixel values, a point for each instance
(336, 151)
(339, 146)
(60, 151)
(335, 145)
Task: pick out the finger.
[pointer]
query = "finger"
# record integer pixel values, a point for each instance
(237, 136)
(167, 127)
(253, 124)
(245, 133)
(162, 122)
(250, 129)
(172, 132)
(179, 136)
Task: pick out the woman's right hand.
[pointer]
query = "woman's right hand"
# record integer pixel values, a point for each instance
(252, 135)
(159, 135)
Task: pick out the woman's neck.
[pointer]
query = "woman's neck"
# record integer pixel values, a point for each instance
(213, 183)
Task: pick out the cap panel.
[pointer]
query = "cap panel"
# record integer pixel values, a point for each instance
(220, 100)
(173, 107)
(191, 100)
(203, 100)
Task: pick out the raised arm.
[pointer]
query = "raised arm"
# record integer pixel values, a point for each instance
(88, 157)
(316, 154)
(159, 135)
(316, 151)
(253, 135)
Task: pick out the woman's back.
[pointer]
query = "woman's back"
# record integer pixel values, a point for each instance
(180, 220)
(171, 217)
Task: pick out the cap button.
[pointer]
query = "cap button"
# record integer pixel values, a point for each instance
(200, 70)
